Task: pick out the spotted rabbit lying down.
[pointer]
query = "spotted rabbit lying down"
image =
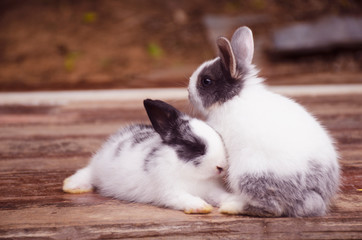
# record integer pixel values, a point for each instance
(282, 162)
(178, 162)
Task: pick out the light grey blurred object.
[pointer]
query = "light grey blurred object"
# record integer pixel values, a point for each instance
(322, 35)
(223, 25)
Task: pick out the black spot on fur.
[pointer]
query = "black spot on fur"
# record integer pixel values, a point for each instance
(150, 158)
(223, 86)
(294, 196)
(188, 146)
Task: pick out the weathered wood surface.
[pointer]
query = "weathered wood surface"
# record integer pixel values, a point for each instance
(41, 145)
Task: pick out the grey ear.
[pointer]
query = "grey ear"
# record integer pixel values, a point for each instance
(163, 116)
(243, 45)
(227, 55)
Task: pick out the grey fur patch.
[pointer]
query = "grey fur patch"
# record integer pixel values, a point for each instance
(222, 87)
(294, 196)
(144, 132)
(137, 134)
(119, 148)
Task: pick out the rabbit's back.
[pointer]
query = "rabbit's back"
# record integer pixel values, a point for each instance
(123, 166)
(272, 129)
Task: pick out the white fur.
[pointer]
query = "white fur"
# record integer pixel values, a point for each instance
(169, 182)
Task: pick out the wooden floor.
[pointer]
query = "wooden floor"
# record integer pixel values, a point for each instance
(42, 144)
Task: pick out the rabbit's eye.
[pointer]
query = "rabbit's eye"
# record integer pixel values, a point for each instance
(206, 82)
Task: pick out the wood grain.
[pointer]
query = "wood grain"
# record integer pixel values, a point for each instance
(41, 145)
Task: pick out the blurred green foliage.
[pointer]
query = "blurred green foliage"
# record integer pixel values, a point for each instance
(258, 4)
(154, 50)
(90, 17)
(70, 60)
(106, 63)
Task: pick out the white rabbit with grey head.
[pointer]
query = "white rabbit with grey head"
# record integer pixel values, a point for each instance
(282, 162)
(178, 162)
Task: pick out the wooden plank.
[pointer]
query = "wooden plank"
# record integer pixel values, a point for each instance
(41, 145)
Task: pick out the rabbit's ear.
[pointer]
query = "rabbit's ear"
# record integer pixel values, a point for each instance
(242, 45)
(227, 55)
(163, 116)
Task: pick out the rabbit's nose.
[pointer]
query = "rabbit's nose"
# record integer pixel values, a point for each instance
(219, 169)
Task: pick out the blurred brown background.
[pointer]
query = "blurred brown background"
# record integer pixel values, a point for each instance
(89, 44)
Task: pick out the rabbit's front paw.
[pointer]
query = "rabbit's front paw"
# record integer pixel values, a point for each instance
(204, 208)
(188, 203)
(231, 207)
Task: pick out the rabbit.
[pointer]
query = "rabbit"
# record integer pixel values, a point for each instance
(177, 162)
(282, 161)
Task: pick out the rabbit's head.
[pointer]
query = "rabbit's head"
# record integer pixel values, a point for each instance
(219, 80)
(199, 147)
